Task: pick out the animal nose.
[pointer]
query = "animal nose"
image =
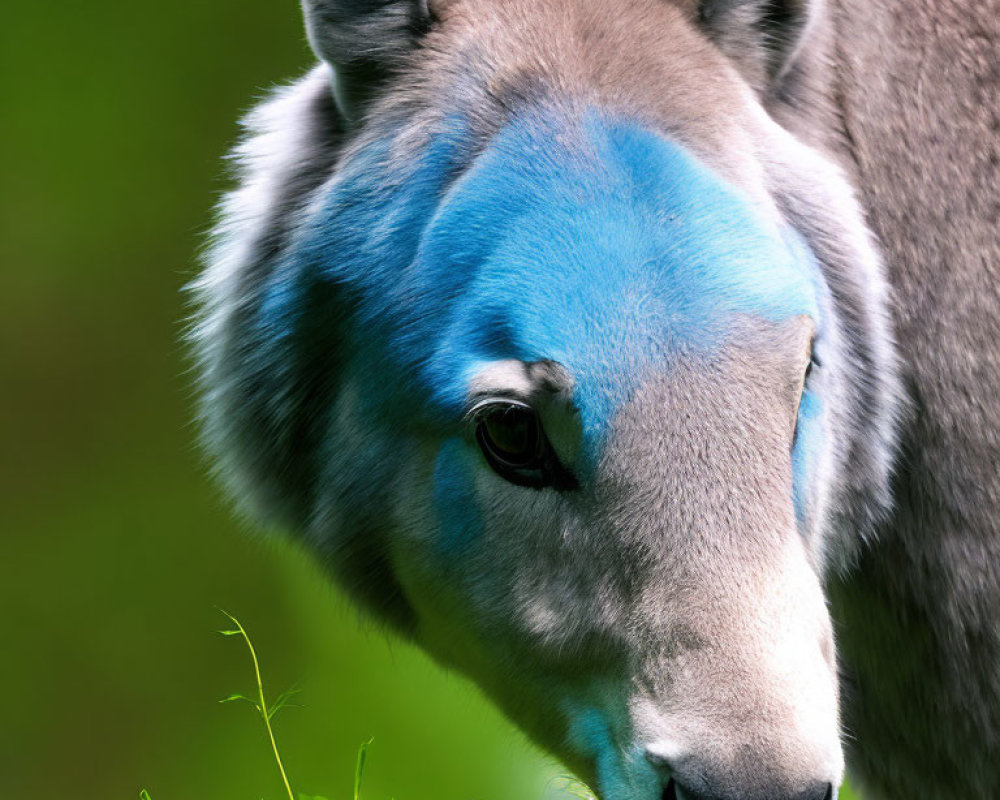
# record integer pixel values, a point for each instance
(691, 782)
(675, 791)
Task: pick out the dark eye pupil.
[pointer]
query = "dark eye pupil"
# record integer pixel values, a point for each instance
(514, 444)
(512, 435)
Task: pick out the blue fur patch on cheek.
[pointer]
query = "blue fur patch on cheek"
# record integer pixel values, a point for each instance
(806, 453)
(455, 503)
(620, 772)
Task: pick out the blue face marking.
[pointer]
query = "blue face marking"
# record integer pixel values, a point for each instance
(455, 503)
(809, 436)
(619, 773)
(605, 247)
(592, 241)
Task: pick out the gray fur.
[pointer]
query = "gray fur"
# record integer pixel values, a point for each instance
(893, 102)
(920, 618)
(762, 37)
(364, 41)
(292, 143)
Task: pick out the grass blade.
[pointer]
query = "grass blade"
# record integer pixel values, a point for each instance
(360, 768)
(262, 706)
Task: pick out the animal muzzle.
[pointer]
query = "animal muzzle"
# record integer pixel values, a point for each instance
(743, 756)
(675, 791)
(739, 701)
(711, 786)
(717, 725)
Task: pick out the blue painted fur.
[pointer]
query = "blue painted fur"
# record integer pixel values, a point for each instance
(587, 239)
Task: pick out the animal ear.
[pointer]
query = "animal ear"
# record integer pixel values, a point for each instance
(364, 41)
(764, 38)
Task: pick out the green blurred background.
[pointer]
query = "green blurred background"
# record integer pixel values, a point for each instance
(116, 546)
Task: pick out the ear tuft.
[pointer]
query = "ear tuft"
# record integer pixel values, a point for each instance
(363, 41)
(763, 38)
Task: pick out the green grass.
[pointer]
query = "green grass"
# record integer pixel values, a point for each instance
(568, 786)
(266, 711)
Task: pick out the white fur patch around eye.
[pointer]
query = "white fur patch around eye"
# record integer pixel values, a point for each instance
(508, 377)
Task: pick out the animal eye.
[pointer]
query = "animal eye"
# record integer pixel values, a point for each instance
(516, 448)
(510, 436)
(814, 362)
(812, 366)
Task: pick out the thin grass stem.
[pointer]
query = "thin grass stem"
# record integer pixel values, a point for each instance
(263, 703)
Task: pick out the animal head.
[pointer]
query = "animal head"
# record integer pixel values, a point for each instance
(571, 364)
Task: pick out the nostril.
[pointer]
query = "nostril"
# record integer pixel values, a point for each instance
(678, 791)
(820, 791)
(661, 762)
(675, 791)
(684, 778)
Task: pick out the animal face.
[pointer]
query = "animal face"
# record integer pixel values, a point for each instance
(576, 377)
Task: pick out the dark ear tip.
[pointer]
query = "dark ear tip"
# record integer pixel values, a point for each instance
(763, 38)
(364, 41)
